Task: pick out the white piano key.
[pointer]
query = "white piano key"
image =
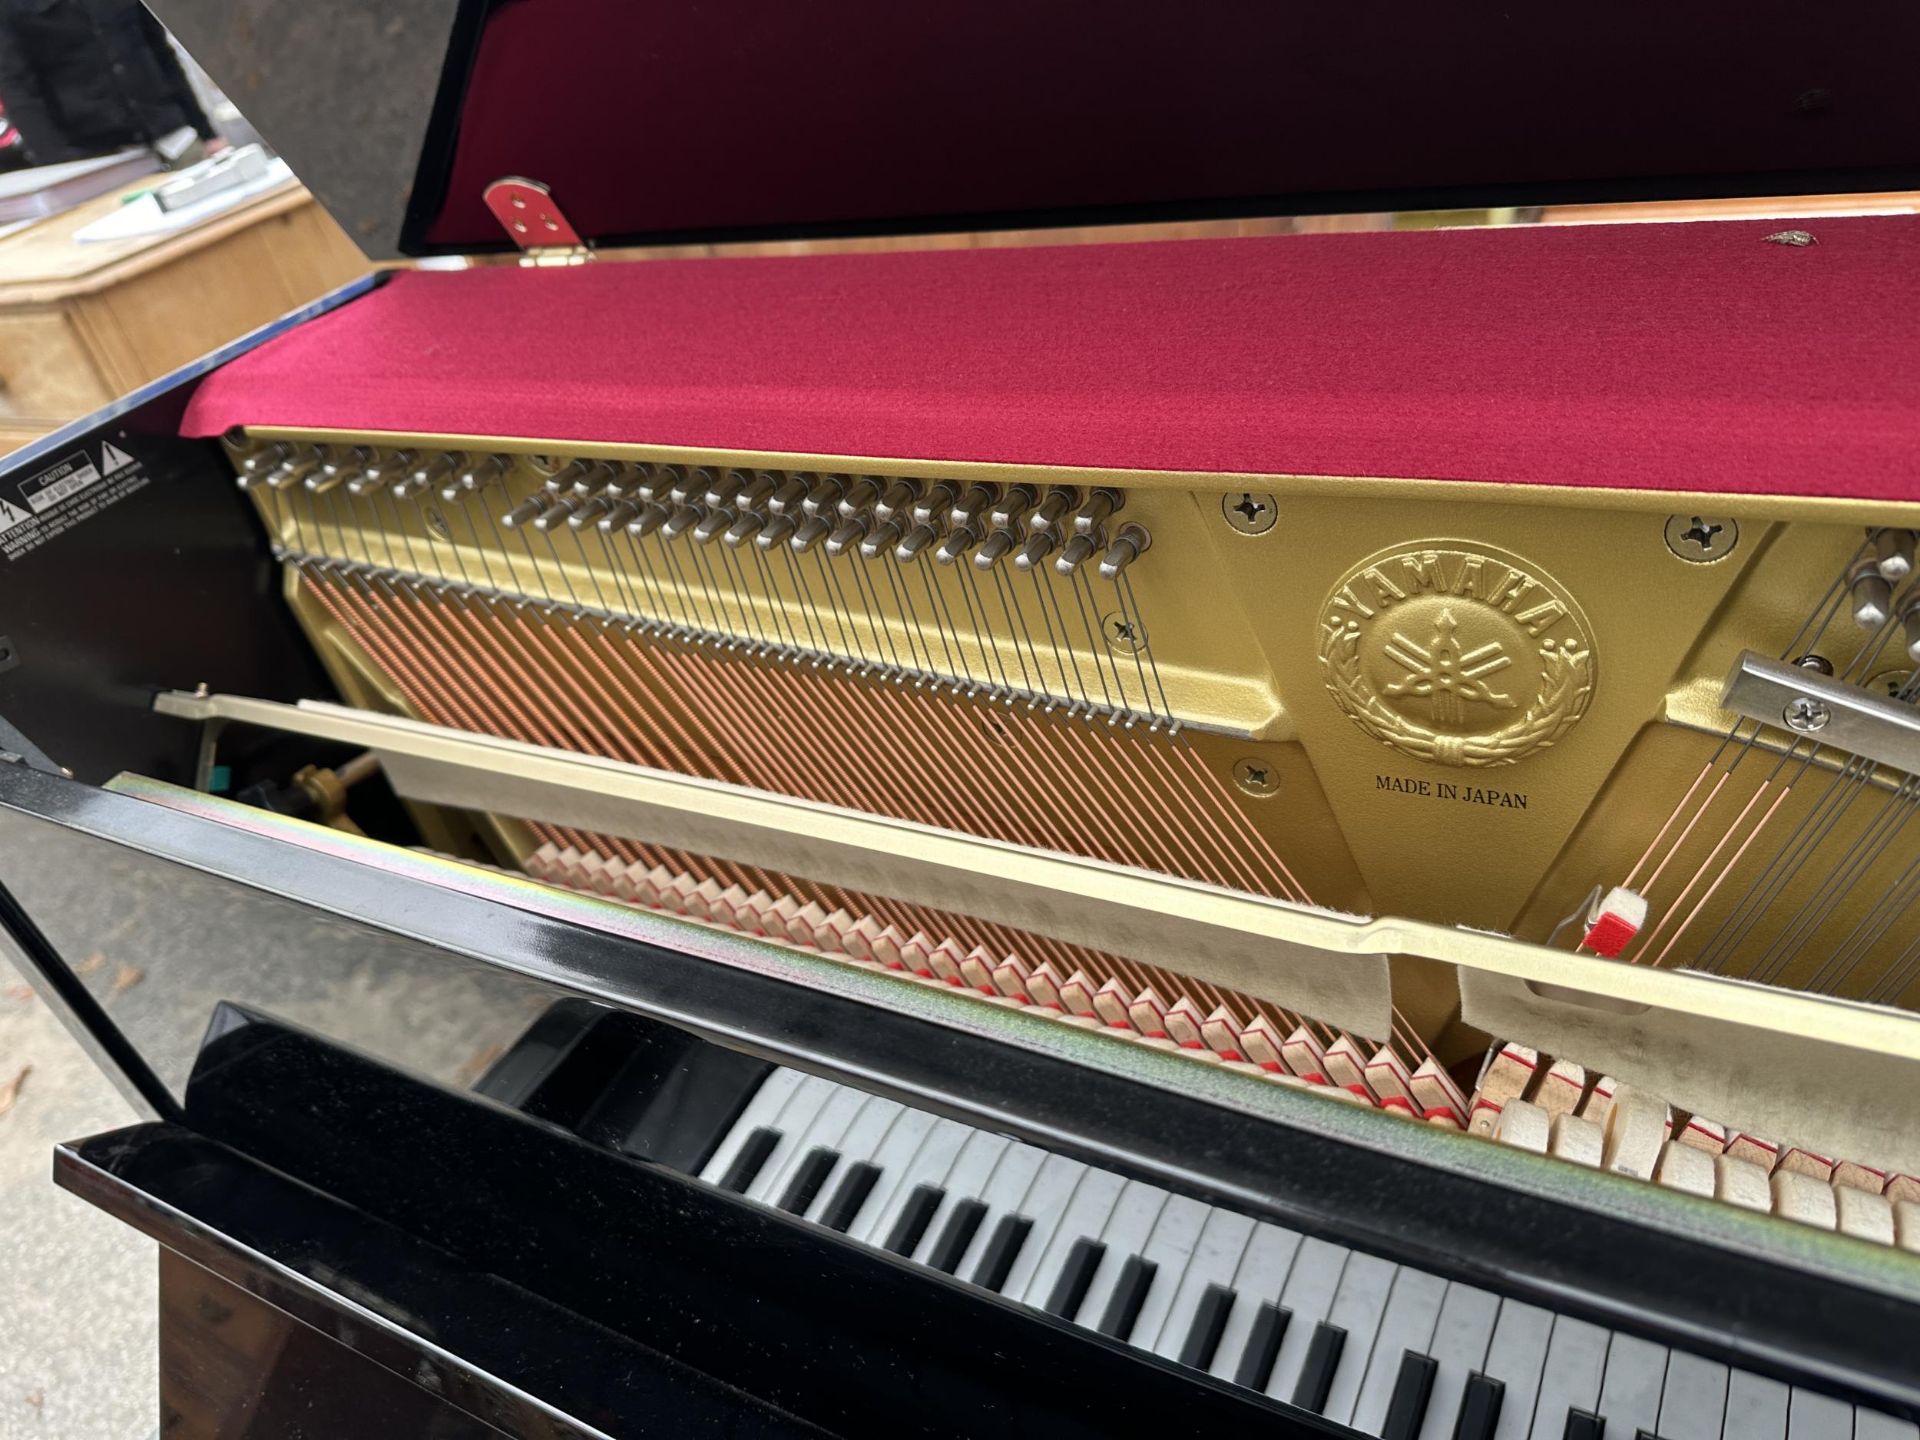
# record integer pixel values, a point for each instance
(802, 1106)
(1570, 1379)
(971, 1170)
(1756, 1408)
(1261, 1277)
(1412, 1310)
(1046, 1204)
(828, 1122)
(1872, 1425)
(1307, 1299)
(1125, 1235)
(1460, 1342)
(1812, 1416)
(893, 1157)
(1630, 1390)
(1169, 1248)
(927, 1166)
(1693, 1405)
(1358, 1307)
(1216, 1255)
(862, 1138)
(1515, 1358)
(1004, 1190)
(760, 1111)
(1086, 1214)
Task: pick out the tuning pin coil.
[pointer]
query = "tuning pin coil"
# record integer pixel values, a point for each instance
(1100, 505)
(1871, 595)
(822, 496)
(971, 504)
(714, 523)
(776, 532)
(1128, 546)
(1034, 552)
(788, 496)
(525, 512)
(556, 514)
(896, 500)
(1893, 554)
(589, 512)
(651, 518)
(995, 548)
(933, 506)
(959, 541)
(1077, 551)
(617, 516)
(916, 540)
(809, 533)
(1049, 513)
(745, 527)
(859, 496)
(848, 534)
(1012, 505)
(881, 539)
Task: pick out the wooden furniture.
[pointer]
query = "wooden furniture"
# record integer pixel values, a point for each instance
(83, 323)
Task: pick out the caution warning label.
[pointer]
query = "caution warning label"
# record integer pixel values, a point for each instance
(50, 503)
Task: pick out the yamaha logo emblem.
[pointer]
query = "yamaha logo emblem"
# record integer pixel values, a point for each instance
(1455, 655)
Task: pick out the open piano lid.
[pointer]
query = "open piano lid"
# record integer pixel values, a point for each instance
(709, 119)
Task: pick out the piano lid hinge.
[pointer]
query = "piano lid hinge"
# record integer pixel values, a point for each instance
(533, 220)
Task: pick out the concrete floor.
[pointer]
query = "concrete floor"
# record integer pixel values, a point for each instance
(77, 1293)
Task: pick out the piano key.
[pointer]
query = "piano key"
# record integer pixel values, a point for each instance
(914, 1219)
(857, 1146)
(809, 1178)
(1407, 1402)
(1482, 1402)
(1570, 1378)
(758, 1113)
(1216, 1255)
(1075, 1278)
(1311, 1390)
(1358, 1306)
(824, 1129)
(1170, 1250)
(1125, 1236)
(1010, 1235)
(1872, 1425)
(953, 1235)
(1813, 1416)
(1693, 1403)
(1308, 1297)
(1129, 1293)
(1630, 1389)
(1515, 1358)
(1460, 1340)
(1083, 1218)
(749, 1159)
(839, 1209)
(1756, 1408)
(1204, 1329)
(966, 1177)
(1412, 1308)
(1267, 1333)
(1050, 1204)
(917, 1144)
(1002, 1195)
(1583, 1425)
(1260, 1278)
(796, 1119)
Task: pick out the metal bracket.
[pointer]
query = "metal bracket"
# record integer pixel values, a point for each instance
(17, 749)
(1816, 707)
(534, 221)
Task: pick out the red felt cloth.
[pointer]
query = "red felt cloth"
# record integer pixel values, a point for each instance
(1669, 357)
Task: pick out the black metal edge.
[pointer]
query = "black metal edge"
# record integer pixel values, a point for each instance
(810, 1323)
(387, 1297)
(438, 145)
(1774, 1311)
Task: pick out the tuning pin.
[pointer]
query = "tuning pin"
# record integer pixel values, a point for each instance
(668, 482)
(809, 533)
(256, 464)
(588, 512)
(788, 495)
(896, 500)
(1092, 515)
(714, 523)
(960, 539)
(775, 532)
(572, 471)
(1017, 500)
(1033, 554)
(1077, 551)
(823, 495)
(1893, 554)
(848, 534)
(746, 525)
(994, 548)
(337, 461)
(1910, 621)
(556, 514)
(650, 519)
(860, 494)
(917, 539)
(722, 490)
(318, 482)
(883, 538)
(1128, 546)
(483, 471)
(369, 482)
(1048, 514)
(298, 464)
(680, 521)
(971, 504)
(597, 478)
(617, 516)
(754, 489)
(527, 510)
(932, 507)
(691, 488)
(1872, 596)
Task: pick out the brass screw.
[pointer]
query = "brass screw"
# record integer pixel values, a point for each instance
(1123, 633)
(437, 523)
(1251, 512)
(1255, 777)
(1702, 539)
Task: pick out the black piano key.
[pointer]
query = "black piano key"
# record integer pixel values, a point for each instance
(1129, 1294)
(914, 1216)
(1003, 1248)
(1316, 1371)
(808, 1177)
(956, 1235)
(844, 1208)
(1407, 1407)
(1479, 1408)
(746, 1165)
(1076, 1277)
(1583, 1425)
(1263, 1347)
(1209, 1322)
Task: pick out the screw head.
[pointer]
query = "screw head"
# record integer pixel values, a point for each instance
(1890, 682)
(1255, 777)
(1123, 633)
(1702, 539)
(437, 523)
(1250, 512)
(1806, 715)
